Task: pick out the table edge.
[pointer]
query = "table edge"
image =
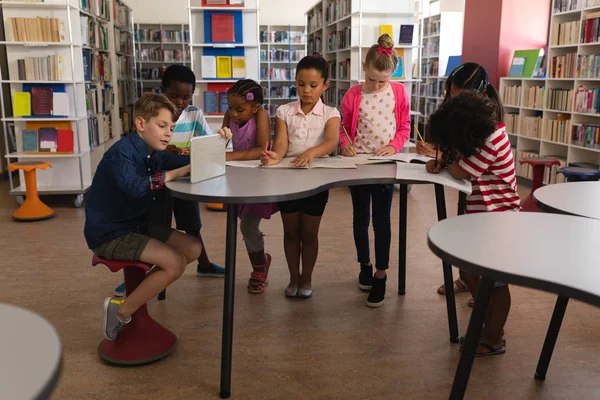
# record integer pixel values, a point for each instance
(49, 387)
(551, 287)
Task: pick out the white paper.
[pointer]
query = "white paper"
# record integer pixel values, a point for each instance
(209, 66)
(334, 163)
(60, 104)
(244, 164)
(404, 157)
(286, 163)
(417, 172)
(207, 155)
(365, 159)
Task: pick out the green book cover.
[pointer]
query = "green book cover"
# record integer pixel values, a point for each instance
(532, 61)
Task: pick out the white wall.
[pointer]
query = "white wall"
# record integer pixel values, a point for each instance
(272, 12)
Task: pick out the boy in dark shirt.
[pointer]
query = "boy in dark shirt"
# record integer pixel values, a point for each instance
(121, 196)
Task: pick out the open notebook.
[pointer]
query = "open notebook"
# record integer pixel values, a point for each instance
(325, 162)
(417, 172)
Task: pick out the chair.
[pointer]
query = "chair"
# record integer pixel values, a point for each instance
(539, 165)
(579, 174)
(33, 209)
(143, 340)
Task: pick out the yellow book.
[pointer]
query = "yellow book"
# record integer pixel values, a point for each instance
(389, 29)
(224, 67)
(22, 104)
(239, 67)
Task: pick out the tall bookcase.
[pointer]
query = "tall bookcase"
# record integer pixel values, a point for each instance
(125, 63)
(246, 44)
(344, 30)
(158, 46)
(281, 47)
(559, 115)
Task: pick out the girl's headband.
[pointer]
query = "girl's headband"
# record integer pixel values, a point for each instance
(482, 85)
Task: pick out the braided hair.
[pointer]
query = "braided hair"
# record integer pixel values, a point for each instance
(249, 90)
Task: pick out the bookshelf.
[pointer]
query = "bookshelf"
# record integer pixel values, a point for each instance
(559, 115)
(343, 31)
(218, 62)
(158, 46)
(281, 48)
(124, 63)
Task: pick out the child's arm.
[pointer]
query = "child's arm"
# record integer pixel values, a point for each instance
(202, 128)
(347, 106)
(332, 137)
(280, 143)
(263, 135)
(457, 172)
(402, 128)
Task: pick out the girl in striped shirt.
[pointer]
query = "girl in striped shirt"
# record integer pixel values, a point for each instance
(475, 146)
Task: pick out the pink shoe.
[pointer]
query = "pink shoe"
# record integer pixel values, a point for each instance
(258, 280)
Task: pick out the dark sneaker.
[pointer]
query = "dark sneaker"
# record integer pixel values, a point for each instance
(112, 323)
(377, 294)
(365, 278)
(119, 290)
(213, 272)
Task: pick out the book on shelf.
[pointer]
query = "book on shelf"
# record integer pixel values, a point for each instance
(568, 5)
(38, 29)
(517, 67)
(99, 8)
(93, 34)
(398, 74)
(222, 3)
(588, 66)
(558, 130)
(48, 140)
(406, 34)
(238, 67)
(30, 141)
(559, 99)
(209, 67)
(223, 104)
(453, 62)
(389, 29)
(587, 100)
(565, 33)
(48, 68)
(21, 104)
(211, 102)
(65, 142)
(41, 101)
(526, 62)
(590, 32)
(224, 69)
(564, 66)
(586, 135)
(222, 28)
(60, 104)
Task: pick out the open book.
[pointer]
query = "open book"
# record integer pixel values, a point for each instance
(417, 172)
(325, 162)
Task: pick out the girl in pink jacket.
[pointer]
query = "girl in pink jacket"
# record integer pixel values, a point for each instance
(376, 115)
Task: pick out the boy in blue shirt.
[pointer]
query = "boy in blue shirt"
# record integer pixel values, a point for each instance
(119, 202)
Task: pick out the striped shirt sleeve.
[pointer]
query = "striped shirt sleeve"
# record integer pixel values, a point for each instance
(480, 162)
(201, 127)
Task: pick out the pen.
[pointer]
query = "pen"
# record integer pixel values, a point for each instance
(347, 136)
(266, 148)
(419, 133)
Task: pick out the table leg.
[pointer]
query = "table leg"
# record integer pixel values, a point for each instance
(462, 203)
(227, 342)
(551, 336)
(440, 200)
(459, 386)
(403, 203)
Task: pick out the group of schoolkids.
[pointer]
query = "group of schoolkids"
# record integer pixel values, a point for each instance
(465, 137)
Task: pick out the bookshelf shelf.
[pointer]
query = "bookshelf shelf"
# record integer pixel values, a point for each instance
(40, 44)
(24, 5)
(44, 119)
(241, 9)
(45, 155)
(225, 45)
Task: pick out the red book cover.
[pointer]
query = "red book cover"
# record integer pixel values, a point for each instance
(222, 28)
(41, 101)
(65, 141)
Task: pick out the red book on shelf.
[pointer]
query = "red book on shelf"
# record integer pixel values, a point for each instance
(65, 141)
(222, 28)
(41, 101)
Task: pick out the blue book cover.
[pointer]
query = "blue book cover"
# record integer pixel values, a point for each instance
(30, 141)
(211, 102)
(399, 72)
(224, 106)
(453, 62)
(517, 68)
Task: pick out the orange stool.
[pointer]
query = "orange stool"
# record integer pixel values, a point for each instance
(32, 209)
(216, 206)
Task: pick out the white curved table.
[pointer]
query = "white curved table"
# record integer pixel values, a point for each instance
(258, 185)
(575, 198)
(554, 253)
(30, 355)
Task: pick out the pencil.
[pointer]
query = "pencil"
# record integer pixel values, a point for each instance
(347, 136)
(419, 133)
(266, 148)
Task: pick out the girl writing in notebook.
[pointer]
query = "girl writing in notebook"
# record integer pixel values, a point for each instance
(475, 146)
(304, 129)
(471, 77)
(376, 117)
(248, 125)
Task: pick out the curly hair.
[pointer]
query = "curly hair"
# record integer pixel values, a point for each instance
(462, 124)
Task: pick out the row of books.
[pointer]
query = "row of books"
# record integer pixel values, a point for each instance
(337, 9)
(93, 34)
(223, 67)
(48, 68)
(430, 68)
(99, 128)
(272, 108)
(590, 32)
(123, 42)
(587, 100)
(280, 92)
(314, 20)
(564, 66)
(125, 93)
(339, 40)
(315, 44)
(531, 126)
(126, 116)
(431, 89)
(41, 101)
(283, 37)
(282, 55)
(37, 29)
(559, 100)
(151, 73)
(98, 98)
(123, 15)
(565, 33)
(511, 95)
(96, 66)
(431, 48)
(278, 74)
(125, 68)
(343, 69)
(588, 66)
(565, 5)
(215, 102)
(166, 36)
(586, 135)
(557, 130)
(156, 54)
(48, 140)
(512, 122)
(99, 8)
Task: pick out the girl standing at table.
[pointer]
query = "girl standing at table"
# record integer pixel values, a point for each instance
(304, 129)
(376, 116)
(472, 77)
(248, 125)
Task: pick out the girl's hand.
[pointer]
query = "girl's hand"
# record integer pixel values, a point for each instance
(425, 149)
(386, 151)
(225, 133)
(433, 167)
(270, 158)
(348, 151)
(303, 159)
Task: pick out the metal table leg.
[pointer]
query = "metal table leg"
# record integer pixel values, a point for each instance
(551, 336)
(403, 203)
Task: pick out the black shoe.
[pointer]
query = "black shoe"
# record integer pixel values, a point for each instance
(365, 278)
(377, 295)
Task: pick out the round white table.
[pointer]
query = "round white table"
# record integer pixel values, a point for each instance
(30, 355)
(258, 185)
(575, 198)
(550, 252)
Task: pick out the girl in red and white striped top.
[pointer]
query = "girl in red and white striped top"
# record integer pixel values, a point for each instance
(475, 146)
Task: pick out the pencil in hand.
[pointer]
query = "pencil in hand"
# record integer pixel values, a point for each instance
(347, 136)
(419, 133)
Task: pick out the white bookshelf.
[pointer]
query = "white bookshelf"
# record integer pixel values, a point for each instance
(281, 48)
(125, 64)
(199, 47)
(157, 47)
(525, 139)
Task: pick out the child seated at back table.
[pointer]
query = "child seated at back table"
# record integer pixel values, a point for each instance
(120, 198)
(304, 129)
(474, 146)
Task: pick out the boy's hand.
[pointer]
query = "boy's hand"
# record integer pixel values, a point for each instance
(172, 149)
(425, 149)
(386, 151)
(433, 167)
(225, 133)
(270, 158)
(348, 151)
(303, 159)
(177, 173)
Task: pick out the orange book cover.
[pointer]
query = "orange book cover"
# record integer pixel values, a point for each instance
(222, 28)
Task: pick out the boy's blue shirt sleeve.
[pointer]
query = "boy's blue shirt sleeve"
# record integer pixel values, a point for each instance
(174, 161)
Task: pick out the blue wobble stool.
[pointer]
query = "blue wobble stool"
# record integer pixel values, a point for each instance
(579, 174)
